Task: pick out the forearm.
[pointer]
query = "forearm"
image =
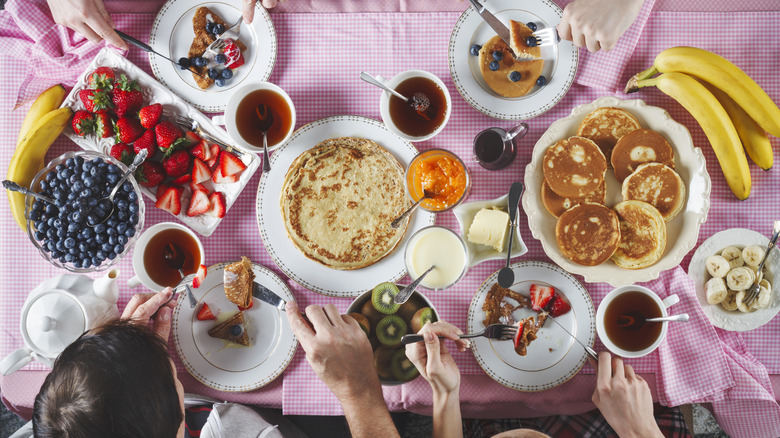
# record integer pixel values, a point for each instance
(368, 417)
(446, 415)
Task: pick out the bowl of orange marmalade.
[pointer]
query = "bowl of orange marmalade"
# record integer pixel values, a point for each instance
(443, 175)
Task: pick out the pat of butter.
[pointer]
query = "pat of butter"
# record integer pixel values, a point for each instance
(489, 228)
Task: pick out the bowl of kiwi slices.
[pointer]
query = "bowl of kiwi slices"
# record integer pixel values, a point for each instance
(385, 323)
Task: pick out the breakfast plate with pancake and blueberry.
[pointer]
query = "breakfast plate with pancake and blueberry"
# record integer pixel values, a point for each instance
(542, 355)
(511, 80)
(616, 191)
(186, 28)
(228, 346)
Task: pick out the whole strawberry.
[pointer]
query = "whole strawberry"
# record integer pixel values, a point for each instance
(233, 55)
(95, 101)
(104, 127)
(177, 164)
(150, 115)
(101, 79)
(146, 141)
(150, 174)
(127, 96)
(128, 130)
(122, 152)
(83, 123)
(167, 135)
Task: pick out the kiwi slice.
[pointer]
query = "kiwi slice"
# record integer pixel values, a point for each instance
(421, 316)
(362, 321)
(390, 330)
(382, 358)
(401, 367)
(382, 298)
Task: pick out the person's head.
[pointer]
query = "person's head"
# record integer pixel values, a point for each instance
(116, 380)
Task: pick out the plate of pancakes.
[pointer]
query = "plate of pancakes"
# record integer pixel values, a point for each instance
(554, 356)
(178, 31)
(228, 366)
(622, 219)
(511, 92)
(325, 207)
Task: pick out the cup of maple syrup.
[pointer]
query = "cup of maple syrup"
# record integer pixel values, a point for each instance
(427, 111)
(495, 148)
(245, 108)
(636, 301)
(151, 268)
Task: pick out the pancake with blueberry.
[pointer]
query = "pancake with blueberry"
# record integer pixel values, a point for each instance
(504, 74)
(203, 38)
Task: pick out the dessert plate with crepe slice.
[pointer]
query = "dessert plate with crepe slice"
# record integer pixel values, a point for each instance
(172, 34)
(288, 257)
(554, 357)
(719, 317)
(682, 231)
(560, 60)
(228, 366)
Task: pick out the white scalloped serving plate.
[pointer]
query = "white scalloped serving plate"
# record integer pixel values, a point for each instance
(682, 232)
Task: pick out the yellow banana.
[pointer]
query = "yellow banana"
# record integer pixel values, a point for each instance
(715, 123)
(721, 73)
(754, 139)
(29, 154)
(48, 101)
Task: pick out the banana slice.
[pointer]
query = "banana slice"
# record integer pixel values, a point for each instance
(763, 298)
(765, 283)
(740, 278)
(730, 302)
(739, 299)
(716, 290)
(752, 255)
(717, 266)
(759, 274)
(733, 255)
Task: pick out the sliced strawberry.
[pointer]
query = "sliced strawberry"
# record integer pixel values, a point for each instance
(229, 164)
(195, 187)
(184, 179)
(519, 334)
(205, 314)
(540, 296)
(251, 304)
(169, 200)
(150, 115)
(201, 151)
(217, 207)
(190, 139)
(199, 276)
(200, 171)
(559, 306)
(199, 203)
(161, 188)
(213, 156)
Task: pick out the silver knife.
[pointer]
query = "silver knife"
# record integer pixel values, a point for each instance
(501, 30)
(265, 295)
(591, 352)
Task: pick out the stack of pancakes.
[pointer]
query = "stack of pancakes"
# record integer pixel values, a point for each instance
(633, 232)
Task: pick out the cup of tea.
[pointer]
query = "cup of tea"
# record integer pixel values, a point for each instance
(149, 263)
(254, 107)
(620, 320)
(427, 111)
(494, 148)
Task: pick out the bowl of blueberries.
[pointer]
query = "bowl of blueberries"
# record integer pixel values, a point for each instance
(78, 184)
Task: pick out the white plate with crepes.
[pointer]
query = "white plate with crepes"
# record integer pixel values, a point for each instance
(172, 35)
(173, 105)
(682, 232)
(303, 270)
(719, 317)
(554, 357)
(560, 60)
(223, 365)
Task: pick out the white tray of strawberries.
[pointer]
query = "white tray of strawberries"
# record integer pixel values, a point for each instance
(120, 110)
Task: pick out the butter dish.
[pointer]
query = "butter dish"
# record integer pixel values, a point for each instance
(465, 214)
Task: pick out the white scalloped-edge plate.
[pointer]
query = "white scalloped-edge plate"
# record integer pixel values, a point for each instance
(718, 316)
(154, 92)
(560, 60)
(682, 232)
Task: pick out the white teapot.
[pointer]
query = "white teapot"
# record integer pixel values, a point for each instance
(57, 312)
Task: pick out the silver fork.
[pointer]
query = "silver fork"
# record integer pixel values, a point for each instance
(755, 289)
(193, 125)
(231, 33)
(501, 332)
(544, 37)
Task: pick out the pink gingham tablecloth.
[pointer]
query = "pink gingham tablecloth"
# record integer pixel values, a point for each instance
(386, 43)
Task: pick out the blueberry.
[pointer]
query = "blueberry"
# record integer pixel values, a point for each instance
(119, 248)
(184, 63)
(69, 162)
(127, 187)
(111, 255)
(89, 181)
(83, 247)
(475, 49)
(77, 186)
(541, 81)
(498, 56)
(210, 26)
(72, 196)
(73, 251)
(531, 25)
(51, 233)
(44, 185)
(100, 228)
(39, 235)
(50, 246)
(106, 247)
(122, 239)
(50, 176)
(40, 225)
(121, 228)
(130, 232)
(236, 329)
(86, 263)
(70, 242)
(132, 196)
(86, 193)
(92, 202)
(111, 231)
(74, 227)
(199, 61)
(69, 258)
(73, 179)
(61, 233)
(112, 240)
(112, 178)
(493, 66)
(133, 208)
(213, 73)
(111, 223)
(531, 41)
(77, 264)
(219, 29)
(59, 245)
(100, 254)
(59, 168)
(101, 238)
(88, 233)
(96, 261)
(122, 215)
(35, 215)
(50, 209)
(220, 58)
(92, 218)
(133, 219)
(220, 82)
(87, 166)
(78, 161)
(514, 76)
(104, 204)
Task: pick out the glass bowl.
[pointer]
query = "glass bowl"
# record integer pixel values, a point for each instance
(416, 301)
(440, 186)
(437, 253)
(68, 257)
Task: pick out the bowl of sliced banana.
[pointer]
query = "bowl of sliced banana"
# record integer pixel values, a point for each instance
(724, 268)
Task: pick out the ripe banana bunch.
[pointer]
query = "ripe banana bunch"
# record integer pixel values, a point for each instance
(42, 125)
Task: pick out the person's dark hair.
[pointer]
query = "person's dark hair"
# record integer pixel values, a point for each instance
(114, 381)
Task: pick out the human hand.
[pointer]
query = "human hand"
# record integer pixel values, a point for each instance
(597, 24)
(87, 17)
(624, 398)
(157, 307)
(249, 8)
(433, 360)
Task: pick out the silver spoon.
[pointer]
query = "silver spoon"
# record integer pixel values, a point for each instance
(265, 119)
(407, 291)
(420, 103)
(397, 221)
(175, 259)
(506, 276)
(634, 320)
(14, 187)
(108, 207)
